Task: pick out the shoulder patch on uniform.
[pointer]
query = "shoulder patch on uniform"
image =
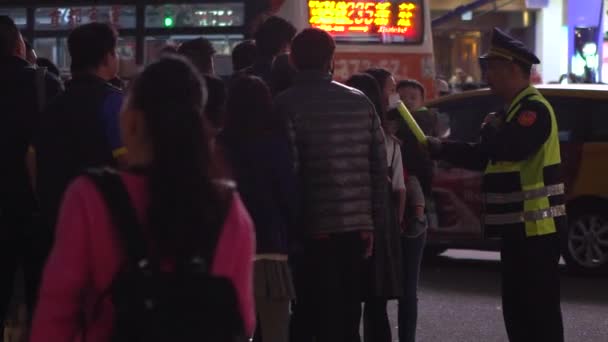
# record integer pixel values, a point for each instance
(527, 118)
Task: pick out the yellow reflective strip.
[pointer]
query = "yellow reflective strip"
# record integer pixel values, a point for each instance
(510, 54)
(536, 204)
(534, 186)
(495, 53)
(513, 112)
(539, 227)
(524, 93)
(119, 152)
(503, 167)
(503, 52)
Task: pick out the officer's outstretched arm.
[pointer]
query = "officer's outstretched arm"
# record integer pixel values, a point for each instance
(466, 155)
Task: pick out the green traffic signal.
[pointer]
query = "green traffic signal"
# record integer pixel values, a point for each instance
(169, 22)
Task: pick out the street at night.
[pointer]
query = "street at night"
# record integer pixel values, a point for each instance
(460, 301)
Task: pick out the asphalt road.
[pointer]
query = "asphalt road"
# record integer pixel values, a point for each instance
(460, 301)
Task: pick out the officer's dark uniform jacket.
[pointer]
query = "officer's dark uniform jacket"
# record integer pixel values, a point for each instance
(521, 160)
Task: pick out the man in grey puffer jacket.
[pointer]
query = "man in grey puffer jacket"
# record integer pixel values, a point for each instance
(340, 158)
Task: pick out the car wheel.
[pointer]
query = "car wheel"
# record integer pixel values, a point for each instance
(585, 244)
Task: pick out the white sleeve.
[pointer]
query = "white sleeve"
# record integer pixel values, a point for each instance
(398, 180)
(415, 195)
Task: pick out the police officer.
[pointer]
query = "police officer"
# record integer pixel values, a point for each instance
(524, 194)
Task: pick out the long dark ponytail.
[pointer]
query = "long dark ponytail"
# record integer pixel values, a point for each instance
(185, 208)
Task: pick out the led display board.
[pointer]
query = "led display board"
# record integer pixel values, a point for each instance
(382, 22)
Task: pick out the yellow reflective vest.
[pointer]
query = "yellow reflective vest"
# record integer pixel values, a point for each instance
(537, 201)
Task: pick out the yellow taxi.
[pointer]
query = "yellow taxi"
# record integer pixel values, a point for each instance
(582, 114)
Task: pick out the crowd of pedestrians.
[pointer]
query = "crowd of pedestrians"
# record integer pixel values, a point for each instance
(310, 197)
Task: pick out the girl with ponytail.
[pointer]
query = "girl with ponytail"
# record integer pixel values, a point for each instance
(179, 199)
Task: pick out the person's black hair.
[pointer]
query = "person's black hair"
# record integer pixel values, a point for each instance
(168, 50)
(186, 209)
(249, 110)
(282, 74)
(200, 52)
(313, 49)
(381, 75)
(244, 55)
(9, 36)
(89, 45)
(272, 35)
(412, 84)
(370, 87)
(49, 65)
(216, 100)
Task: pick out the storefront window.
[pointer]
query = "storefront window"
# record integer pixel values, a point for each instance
(62, 18)
(56, 49)
(203, 15)
(18, 15)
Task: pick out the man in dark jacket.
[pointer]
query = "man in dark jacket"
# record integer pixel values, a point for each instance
(23, 92)
(80, 129)
(272, 39)
(340, 159)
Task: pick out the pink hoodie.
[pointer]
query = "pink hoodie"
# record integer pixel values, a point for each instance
(86, 256)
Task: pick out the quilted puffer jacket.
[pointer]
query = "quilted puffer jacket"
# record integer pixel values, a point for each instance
(339, 153)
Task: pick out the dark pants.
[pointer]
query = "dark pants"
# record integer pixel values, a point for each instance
(413, 249)
(377, 327)
(531, 288)
(329, 289)
(23, 242)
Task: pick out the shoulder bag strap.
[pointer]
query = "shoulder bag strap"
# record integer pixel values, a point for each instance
(395, 147)
(40, 80)
(123, 215)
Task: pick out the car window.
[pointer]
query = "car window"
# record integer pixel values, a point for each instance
(464, 116)
(573, 119)
(599, 122)
(579, 119)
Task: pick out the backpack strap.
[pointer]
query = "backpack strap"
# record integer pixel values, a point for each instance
(40, 81)
(113, 190)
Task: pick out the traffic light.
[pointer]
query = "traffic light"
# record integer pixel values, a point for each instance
(168, 21)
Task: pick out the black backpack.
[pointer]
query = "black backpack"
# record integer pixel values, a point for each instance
(187, 304)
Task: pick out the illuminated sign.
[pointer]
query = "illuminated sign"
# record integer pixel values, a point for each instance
(368, 21)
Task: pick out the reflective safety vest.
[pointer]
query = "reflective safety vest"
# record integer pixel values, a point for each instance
(537, 193)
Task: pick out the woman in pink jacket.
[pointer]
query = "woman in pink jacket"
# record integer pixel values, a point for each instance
(176, 197)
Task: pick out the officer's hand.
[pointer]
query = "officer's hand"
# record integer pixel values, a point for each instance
(492, 120)
(434, 145)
